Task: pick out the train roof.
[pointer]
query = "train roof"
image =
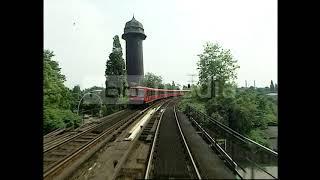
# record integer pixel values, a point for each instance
(142, 87)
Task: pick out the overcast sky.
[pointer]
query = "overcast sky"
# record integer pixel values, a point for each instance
(80, 33)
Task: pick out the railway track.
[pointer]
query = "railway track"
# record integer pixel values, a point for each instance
(125, 169)
(57, 140)
(60, 135)
(170, 156)
(58, 157)
(52, 134)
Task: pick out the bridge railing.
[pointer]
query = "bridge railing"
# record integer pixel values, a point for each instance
(251, 159)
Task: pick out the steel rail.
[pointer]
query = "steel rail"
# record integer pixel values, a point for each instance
(147, 174)
(186, 145)
(53, 144)
(124, 157)
(60, 163)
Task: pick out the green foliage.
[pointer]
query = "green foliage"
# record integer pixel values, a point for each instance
(52, 119)
(115, 64)
(76, 90)
(94, 88)
(106, 110)
(247, 111)
(92, 98)
(153, 81)
(76, 96)
(216, 116)
(170, 86)
(193, 100)
(242, 117)
(173, 86)
(220, 107)
(93, 93)
(259, 137)
(59, 118)
(115, 69)
(58, 100)
(216, 64)
(90, 108)
(229, 90)
(55, 93)
(261, 110)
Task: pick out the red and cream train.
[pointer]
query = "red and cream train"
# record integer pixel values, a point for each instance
(145, 95)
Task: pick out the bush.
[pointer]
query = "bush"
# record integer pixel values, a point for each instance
(182, 105)
(199, 106)
(54, 118)
(271, 119)
(51, 120)
(70, 119)
(106, 110)
(241, 119)
(258, 136)
(216, 116)
(222, 106)
(246, 112)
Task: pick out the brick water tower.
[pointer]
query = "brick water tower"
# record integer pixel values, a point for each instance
(134, 35)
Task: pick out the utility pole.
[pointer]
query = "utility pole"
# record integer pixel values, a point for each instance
(254, 83)
(192, 75)
(246, 84)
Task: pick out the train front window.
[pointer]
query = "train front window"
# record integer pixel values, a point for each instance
(140, 93)
(133, 92)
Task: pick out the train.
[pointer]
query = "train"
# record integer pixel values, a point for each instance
(144, 95)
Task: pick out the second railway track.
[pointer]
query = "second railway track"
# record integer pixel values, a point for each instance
(57, 157)
(62, 136)
(170, 156)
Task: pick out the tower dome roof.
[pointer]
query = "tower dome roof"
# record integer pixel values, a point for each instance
(134, 27)
(133, 23)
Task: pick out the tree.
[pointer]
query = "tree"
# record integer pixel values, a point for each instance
(93, 88)
(216, 65)
(168, 86)
(76, 95)
(55, 93)
(271, 86)
(57, 98)
(153, 81)
(76, 90)
(115, 70)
